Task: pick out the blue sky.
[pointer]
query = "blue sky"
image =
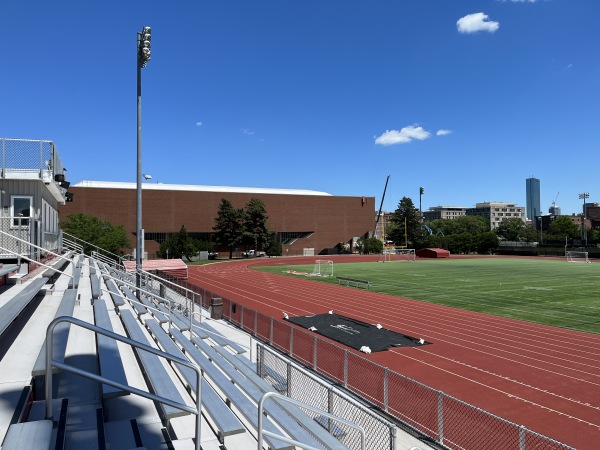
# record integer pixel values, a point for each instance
(466, 98)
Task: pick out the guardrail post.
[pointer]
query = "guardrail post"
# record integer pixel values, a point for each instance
(385, 389)
(440, 407)
(315, 347)
(345, 368)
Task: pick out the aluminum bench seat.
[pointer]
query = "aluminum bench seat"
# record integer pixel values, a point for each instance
(109, 357)
(29, 435)
(223, 417)
(95, 285)
(11, 310)
(115, 293)
(246, 406)
(61, 334)
(139, 308)
(159, 379)
(8, 268)
(255, 387)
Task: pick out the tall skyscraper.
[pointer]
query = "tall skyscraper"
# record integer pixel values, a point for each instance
(532, 204)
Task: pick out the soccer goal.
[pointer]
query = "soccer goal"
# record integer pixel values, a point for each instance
(397, 254)
(581, 257)
(323, 268)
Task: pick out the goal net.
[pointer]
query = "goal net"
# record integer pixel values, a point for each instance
(397, 254)
(323, 268)
(577, 257)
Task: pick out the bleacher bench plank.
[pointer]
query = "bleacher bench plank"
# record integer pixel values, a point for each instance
(61, 334)
(226, 422)
(296, 413)
(159, 379)
(10, 311)
(139, 308)
(109, 358)
(95, 285)
(235, 396)
(8, 268)
(58, 265)
(28, 435)
(115, 293)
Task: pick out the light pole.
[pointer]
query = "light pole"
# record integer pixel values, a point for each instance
(143, 56)
(584, 196)
(421, 192)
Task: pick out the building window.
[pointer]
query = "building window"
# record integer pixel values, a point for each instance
(20, 207)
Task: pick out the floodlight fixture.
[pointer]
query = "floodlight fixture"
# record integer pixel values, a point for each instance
(144, 38)
(147, 176)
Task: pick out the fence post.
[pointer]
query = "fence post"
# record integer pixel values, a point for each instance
(440, 405)
(291, 342)
(345, 368)
(271, 332)
(385, 389)
(522, 440)
(289, 380)
(315, 346)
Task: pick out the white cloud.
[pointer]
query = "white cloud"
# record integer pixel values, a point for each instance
(198, 124)
(443, 132)
(404, 136)
(247, 131)
(521, 1)
(473, 23)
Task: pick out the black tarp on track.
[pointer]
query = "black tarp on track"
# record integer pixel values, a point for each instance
(354, 333)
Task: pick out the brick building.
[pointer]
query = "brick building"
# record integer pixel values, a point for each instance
(303, 220)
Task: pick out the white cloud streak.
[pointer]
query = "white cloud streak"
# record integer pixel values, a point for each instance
(198, 124)
(474, 23)
(443, 132)
(404, 136)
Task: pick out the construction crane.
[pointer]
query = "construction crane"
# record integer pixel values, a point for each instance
(555, 198)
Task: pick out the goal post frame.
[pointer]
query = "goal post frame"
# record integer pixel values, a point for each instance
(323, 268)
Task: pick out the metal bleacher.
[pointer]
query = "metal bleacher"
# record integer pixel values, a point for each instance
(124, 366)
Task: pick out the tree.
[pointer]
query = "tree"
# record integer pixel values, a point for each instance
(229, 225)
(369, 245)
(563, 226)
(511, 229)
(96, 233)
(179, 245)
(406, 213)
(255, 224)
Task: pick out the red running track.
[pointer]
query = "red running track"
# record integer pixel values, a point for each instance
(545, 378)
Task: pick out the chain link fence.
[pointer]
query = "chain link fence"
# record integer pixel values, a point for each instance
(24, 158)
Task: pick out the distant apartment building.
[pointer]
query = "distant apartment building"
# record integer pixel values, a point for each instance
(496, 212)
(532, 186)
(444, 212)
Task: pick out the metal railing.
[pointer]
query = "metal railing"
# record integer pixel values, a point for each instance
(29, 159)
(331, 417)
(447, 420)
(157, 398)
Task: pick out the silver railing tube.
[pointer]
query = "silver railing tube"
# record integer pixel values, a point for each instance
(157, 398)
(279, 437)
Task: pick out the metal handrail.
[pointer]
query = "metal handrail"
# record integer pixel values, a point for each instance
(157, 398)
(262, 432)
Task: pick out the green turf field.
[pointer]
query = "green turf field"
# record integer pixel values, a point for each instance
(546, 291)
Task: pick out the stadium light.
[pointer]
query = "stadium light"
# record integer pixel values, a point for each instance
(584, 196)
(143, 56)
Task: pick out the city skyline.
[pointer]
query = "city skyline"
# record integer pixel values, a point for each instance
(464, 98)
